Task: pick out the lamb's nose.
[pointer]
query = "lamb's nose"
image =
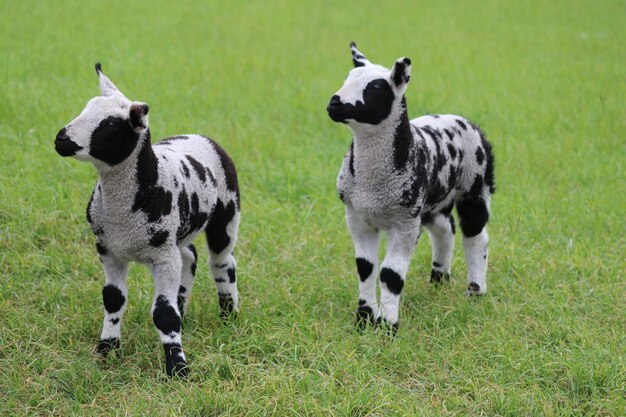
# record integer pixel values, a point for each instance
(334, 101)
(62, 135)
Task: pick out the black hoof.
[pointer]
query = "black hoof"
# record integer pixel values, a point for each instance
(388, 328)
(473, 289)
(437, 277)
(175, 363)
(107, 345)
(364, 317)
(227, 307)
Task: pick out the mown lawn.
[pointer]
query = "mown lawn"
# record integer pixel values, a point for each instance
(545, 80)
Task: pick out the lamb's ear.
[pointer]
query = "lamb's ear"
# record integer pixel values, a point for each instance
(107, 88)
(401, 72)
(138, 116)
(358, 58)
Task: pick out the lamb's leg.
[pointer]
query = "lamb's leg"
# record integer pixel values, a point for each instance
(366, 241)
(190, 258)
(114, 297)
(440, 228)
(221, 238)
(167, 275)
(474, 215)
(394, 268)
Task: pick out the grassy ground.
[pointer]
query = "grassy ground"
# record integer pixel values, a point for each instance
(546, 82)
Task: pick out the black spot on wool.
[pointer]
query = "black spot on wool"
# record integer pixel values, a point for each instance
(198, 167)
(153, 200)
(168, 141)
(376, 106)
(452, 177)
(428, 218)
(159, 238)
(113, 140)
(393, 281)
(216, 234)
(449, 133)
(480, 155)
(165, 317)
(185, 169)
(489, 175)
(460, 123)
(228, 166)
(473, 216)
(451, 150)
(190, 216)
(364, 267)
(351, 159)
(402, 139)
(194, 264)
(88, 211)
(102, 250)
(232, 276)
(112, 298)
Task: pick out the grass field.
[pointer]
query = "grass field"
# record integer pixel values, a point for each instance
(546, 82)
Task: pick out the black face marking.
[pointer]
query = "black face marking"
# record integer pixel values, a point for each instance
(107, 345)
(378, 99)
(228, 166)
(102, 250)
(64, 146)
(351, 159)
(393, 281)
(473, 216)
(113, 140)
(480, 155)
(198, 167)
(460, 123)
(153, 200)
(232, 276)
(364, 267)
(216, 234)
(175, 364)
(402, 139)
(112, 298)
(437, 277)
(159, 238)
(165, 317)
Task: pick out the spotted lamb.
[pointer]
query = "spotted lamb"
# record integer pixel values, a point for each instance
(148, 206)
(399, 175)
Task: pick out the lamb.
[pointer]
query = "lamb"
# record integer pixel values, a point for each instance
(148, 206)
(399, 175)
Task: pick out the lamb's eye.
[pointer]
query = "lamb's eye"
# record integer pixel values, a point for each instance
(111, 125)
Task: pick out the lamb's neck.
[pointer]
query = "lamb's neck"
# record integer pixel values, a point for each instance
(377, 150)
(120, 182)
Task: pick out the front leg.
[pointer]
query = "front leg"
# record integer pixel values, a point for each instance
(114, 297)
(366, 240)
(395, 266)
(165, 314)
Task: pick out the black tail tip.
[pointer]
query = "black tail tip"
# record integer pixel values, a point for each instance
(98, 68)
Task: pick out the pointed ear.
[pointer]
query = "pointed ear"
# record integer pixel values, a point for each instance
(138, 116)
(401, 72)
(107, 88)
(358, 58)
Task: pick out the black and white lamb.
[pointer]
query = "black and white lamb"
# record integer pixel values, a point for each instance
(148, 206)
(399, 175)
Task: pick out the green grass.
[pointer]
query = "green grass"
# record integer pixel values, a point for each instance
(545, 80)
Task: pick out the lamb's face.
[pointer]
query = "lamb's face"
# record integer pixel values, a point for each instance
(370, 92)
(108, 129)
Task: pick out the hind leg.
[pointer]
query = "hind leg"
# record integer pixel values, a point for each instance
(221, 236)
(440, 228)
(474, 215)
(190, 259)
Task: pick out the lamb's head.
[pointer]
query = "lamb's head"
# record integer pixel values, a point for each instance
(371, 92)
(107, 130)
